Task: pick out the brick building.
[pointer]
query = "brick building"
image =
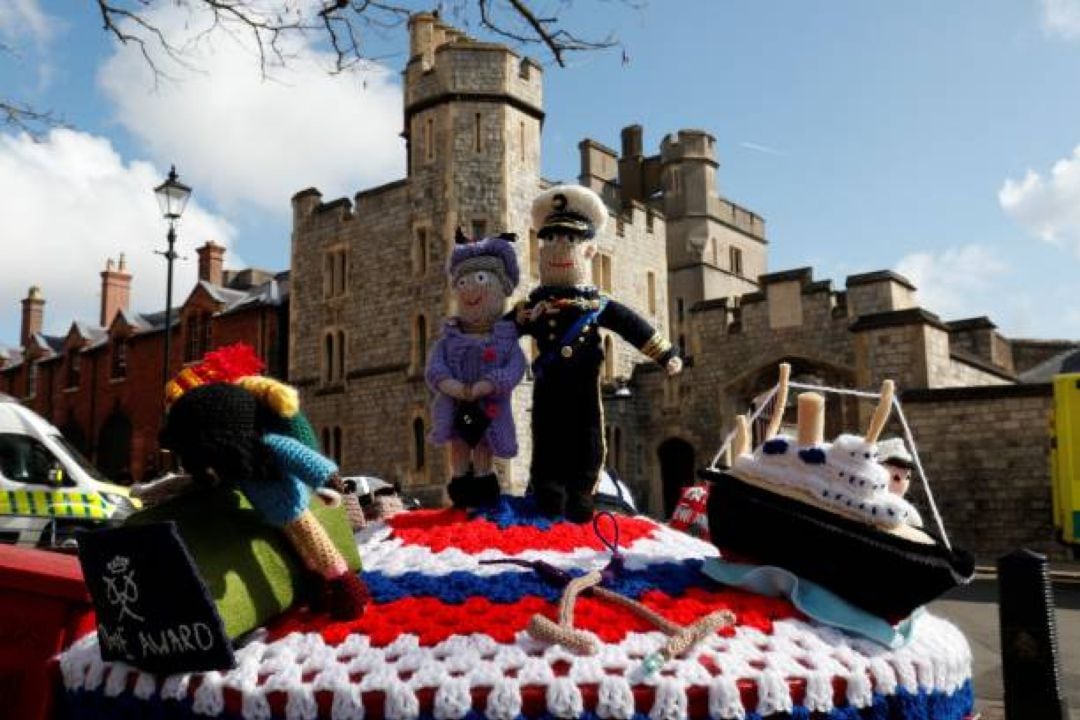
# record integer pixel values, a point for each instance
(100, 383)
(371, 290)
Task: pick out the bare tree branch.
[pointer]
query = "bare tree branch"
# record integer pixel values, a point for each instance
(271, 27)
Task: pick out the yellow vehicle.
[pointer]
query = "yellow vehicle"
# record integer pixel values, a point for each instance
(47, 488)
(1065, 457)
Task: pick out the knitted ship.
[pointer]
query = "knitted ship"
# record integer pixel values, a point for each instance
(824, 512)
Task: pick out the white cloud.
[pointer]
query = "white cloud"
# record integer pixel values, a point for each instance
(22, 18)
(242, 139)
(957, 282)
(1062, 17)
(70, 204)
(1048, 207)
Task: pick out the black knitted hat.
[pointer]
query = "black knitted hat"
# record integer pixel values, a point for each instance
(215, 426)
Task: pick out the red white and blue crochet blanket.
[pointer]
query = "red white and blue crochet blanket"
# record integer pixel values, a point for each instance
(445, 640)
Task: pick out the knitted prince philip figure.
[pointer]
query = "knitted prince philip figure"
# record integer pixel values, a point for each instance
(564, 315)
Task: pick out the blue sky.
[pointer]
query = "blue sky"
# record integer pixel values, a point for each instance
(938, 139)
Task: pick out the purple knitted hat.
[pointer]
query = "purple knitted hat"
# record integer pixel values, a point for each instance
(495, 254)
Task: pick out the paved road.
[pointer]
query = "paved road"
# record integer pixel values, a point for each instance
(974, 609)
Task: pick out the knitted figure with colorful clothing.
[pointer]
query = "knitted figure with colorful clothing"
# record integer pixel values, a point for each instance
(249, 432)
(475, 366)
(564, 315)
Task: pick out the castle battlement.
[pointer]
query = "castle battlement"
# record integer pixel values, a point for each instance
(447, 64)
(688, 144)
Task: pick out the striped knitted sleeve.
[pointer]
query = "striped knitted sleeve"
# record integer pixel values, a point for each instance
(295, 458)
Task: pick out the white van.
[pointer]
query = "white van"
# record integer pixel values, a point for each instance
(47, 488)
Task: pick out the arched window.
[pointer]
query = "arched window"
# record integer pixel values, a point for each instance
(418, 444)
(327, 450)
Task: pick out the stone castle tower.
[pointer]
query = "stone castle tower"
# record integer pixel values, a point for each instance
(715, 248)
(369, 285)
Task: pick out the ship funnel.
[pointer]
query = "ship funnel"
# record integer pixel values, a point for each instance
(741, 443)
(881, 413)
(779, 401)
(811, 419)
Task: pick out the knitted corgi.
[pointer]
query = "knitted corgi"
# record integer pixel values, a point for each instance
(474, 367)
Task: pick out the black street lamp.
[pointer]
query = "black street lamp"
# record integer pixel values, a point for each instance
(172, 196)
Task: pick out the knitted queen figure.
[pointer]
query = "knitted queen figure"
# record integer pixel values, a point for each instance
(474, 367)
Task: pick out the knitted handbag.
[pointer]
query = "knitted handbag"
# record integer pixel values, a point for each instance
(471, 422)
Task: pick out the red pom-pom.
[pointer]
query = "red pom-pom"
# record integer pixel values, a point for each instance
(492, 411)
(489, 354)
(230, 363)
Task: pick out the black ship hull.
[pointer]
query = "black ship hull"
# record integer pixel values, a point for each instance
(881, 573)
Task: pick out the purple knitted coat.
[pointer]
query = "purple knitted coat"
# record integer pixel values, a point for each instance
(469, 358)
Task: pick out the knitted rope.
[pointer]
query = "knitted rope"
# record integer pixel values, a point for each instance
(564, 634)
(682, 638)
(314, 546)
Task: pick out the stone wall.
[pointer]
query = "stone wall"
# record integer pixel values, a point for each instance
(985, 451)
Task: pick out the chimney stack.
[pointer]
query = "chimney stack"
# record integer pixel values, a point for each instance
(33, 315)
(115, 290)
(211, 262)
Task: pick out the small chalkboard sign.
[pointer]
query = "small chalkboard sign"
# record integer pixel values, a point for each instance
(153, 608)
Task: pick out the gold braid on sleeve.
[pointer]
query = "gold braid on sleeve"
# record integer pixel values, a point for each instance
(656, 347)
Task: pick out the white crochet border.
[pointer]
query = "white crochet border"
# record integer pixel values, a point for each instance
(938, 657)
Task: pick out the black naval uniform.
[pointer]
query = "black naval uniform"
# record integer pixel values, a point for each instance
(567, 417)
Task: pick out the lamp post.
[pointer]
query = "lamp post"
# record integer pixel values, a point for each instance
(172, 196)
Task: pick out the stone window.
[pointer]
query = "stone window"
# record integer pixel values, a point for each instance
(119, 357)
(735, 260)
(601, 271)
(326, 448)
(420, 252)
(479, 228)
(340, 355)
(333, 359)
(335, 272)
(680, 309)
(337, 446)
(419, 344)
(429, 139)
(650, 282)
(715, 252)
(478, 129)
(675, 180)
(521, 140)
(74, 368)
(328, 358)
(418, 433)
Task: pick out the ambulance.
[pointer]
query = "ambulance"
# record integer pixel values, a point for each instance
(48, 490)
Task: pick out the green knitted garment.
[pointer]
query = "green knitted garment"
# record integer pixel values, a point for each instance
(250, 570)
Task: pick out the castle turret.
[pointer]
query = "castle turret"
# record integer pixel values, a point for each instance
(716, 249)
